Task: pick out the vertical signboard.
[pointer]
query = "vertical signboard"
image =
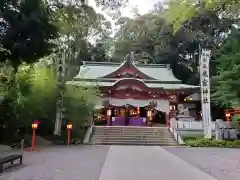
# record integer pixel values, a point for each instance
(61, 81)
(205, 92)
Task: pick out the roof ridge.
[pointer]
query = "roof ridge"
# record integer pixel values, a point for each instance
(154, 65)
(100, 63)
(121, 63)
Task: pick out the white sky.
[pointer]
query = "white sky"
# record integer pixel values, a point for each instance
(143, 6)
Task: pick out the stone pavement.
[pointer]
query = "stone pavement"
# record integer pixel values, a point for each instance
(221, 163)
(127, 163)
(147, 163)
(60, 163)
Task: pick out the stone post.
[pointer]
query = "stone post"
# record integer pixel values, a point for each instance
(218, 133)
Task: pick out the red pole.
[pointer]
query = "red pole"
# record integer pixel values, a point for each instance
(33, 139)
(69, 135)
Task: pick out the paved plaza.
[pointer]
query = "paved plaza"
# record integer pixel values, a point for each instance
(127, 163)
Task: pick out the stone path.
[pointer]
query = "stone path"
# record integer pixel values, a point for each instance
(127, 163)
(147, 163)
(61, 163)
(221, 163)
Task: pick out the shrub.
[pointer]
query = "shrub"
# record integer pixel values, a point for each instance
(213, 143)
(188, 138)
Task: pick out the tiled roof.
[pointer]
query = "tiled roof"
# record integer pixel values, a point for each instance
(93, 70)
(150, 85)
(91, 74)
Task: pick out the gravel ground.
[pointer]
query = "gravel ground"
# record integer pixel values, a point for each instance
(223, 164)
(60, 163)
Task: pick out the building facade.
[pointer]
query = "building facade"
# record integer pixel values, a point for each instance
(135, 94)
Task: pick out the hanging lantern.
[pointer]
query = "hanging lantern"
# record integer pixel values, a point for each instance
(149, 113)
(109, 112)
(138, 110)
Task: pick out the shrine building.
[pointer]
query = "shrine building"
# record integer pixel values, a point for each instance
(135, 94)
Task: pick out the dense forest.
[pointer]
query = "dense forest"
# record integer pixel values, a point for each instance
(36, 34)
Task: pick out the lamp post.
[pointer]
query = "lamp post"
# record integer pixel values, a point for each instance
(69, 128)
(34, 127)
(228, 118)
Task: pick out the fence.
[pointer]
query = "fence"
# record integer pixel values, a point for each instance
(189, 124)
(227, 130)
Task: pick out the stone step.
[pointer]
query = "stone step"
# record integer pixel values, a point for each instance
(135, 143)
(142, 130)
(134, 136)
(131, 138)
(132, 130)
(150, 132)
(139, 140)
(129, 127)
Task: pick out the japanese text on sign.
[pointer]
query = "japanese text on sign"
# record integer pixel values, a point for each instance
(205, 91)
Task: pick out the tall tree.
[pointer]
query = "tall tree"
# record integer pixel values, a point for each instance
(182, 10)
(153, 40)
(26, 31)
(226, 82)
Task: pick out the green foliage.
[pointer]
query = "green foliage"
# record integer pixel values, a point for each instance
(181, 11)
(26, 31)
(190, 138)
(226, 85)
(79, 103)
(34, 96)
(151, 36)
(236, 118)
(213, 143)
(79, 25)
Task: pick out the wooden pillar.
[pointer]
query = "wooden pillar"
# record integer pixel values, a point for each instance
(149, 117)
(109, 117)
(167, 118)
(138, 111)
(126, 116)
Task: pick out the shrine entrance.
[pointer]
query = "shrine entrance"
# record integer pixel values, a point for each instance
(128, 116)
(159, 118)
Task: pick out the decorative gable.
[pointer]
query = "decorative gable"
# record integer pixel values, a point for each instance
(128, 70)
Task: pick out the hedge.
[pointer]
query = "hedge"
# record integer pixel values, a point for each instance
(213, 143)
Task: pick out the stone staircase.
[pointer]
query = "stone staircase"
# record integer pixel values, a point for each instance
(127, 135)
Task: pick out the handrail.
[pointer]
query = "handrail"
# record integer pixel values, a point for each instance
(89, 133)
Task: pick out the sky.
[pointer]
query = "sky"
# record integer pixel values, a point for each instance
(143, 6)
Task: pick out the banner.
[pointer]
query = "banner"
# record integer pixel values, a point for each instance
(205, 92)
